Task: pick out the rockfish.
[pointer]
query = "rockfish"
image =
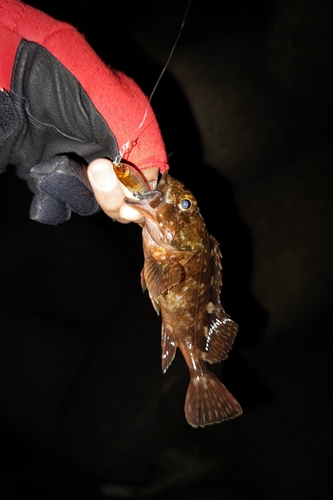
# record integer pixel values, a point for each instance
(183, 274)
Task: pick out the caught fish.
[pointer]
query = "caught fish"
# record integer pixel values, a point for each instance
(183, 275)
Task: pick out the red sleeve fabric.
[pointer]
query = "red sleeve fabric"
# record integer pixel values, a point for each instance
(117, 98)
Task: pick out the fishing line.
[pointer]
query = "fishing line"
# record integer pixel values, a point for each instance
(168, 60)
(126, 145)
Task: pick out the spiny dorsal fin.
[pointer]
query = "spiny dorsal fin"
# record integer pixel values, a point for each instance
(169, 349)
(217, 270)
(160, 276)
(221, 334)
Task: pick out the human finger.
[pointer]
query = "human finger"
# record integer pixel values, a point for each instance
(110, 193)
(106, 187)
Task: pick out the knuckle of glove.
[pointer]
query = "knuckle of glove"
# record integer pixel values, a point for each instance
(66, 181)
(47, 210)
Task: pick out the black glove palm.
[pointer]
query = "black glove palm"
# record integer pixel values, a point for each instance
(50, 130)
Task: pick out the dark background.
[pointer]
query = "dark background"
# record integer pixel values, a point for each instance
(246, 112)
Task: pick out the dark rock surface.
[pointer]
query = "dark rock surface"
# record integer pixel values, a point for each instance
(246, 111)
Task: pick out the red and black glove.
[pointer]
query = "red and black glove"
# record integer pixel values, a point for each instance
(50, 130)
(61, 108)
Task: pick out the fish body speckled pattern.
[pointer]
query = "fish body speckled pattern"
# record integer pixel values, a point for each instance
(183, 275)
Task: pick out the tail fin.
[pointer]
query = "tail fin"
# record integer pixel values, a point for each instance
(208, 401)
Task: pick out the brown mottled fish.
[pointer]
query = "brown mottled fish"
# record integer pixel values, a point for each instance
(183, 274)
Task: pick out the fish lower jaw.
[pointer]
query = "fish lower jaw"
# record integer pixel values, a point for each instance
(157, 236)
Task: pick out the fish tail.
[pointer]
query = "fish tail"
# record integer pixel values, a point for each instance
(208, 401)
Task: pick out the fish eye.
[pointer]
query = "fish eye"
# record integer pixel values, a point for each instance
(187, 203)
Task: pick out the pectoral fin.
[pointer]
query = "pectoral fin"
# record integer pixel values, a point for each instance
(222, 331)
(160, 276)
(153, 298)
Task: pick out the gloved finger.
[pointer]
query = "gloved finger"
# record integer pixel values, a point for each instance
(110, 193)
(48, 210)
(66, 180)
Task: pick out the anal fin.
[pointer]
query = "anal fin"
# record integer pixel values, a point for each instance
(208, 402)
(169, 349)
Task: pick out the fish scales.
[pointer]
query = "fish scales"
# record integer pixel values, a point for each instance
(183, 275)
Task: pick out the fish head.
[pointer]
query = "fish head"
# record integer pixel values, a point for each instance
(171, 215)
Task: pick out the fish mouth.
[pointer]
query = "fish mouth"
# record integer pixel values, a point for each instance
(146, 204)
(142, 203)
(146, 201)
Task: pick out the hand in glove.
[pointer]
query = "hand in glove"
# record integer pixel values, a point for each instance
(61, 109)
